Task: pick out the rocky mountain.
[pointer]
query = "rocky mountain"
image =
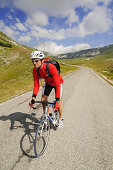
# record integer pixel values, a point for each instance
(89, 52)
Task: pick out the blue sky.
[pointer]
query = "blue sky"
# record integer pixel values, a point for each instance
(58, 26)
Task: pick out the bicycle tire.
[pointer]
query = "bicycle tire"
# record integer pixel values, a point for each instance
(27, 145)
(42, 137)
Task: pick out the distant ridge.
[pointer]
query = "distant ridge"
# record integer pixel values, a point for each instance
(89, 52)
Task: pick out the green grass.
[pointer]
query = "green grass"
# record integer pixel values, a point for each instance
(102, 64)
(102, 67)
(15, 78)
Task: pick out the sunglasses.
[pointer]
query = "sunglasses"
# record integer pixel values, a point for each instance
(36, 61)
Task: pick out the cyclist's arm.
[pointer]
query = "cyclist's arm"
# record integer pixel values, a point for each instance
(36, 83)
(54, 73)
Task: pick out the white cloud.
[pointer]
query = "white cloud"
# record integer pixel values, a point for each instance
(51, 7)
(25, 38)
(8, 31)
(38, 11)
(37, 18)
(17, 20)
(13, 27)
(39, 32)
(11, 33)
(72, 17)
(2, 25)
(54, 7)
(98, 20)
(5, 3)
(10, 17)
(54, 49)
(20, 26)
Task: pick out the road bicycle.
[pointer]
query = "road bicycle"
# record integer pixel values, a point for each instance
(43, 130)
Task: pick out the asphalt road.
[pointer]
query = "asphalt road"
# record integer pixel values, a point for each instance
(85, 142)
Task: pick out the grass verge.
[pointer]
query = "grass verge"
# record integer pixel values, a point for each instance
(101, 65)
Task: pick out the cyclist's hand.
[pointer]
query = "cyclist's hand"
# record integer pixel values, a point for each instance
(31, 103)
(56, 106)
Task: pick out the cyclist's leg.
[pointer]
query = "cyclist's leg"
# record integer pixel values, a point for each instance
(45, 93)
(44, 98)
(60, 109)
(60, 104)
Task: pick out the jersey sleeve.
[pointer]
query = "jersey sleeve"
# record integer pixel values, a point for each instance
(54, 73)
(36, 82)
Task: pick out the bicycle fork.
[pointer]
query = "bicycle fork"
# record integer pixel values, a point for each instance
(53, 120)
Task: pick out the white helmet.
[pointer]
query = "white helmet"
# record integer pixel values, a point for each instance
(37, 54)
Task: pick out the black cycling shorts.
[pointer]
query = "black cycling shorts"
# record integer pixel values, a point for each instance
(47, 90)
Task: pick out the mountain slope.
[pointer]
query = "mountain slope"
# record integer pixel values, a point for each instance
(15, 67)
(11, 50)
(90, 52)
(99, 59)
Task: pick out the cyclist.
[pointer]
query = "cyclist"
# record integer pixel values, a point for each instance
(54, 81)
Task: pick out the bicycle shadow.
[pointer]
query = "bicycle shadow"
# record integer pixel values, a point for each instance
(29, 123)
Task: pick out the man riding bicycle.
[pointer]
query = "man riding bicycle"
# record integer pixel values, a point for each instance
(54, 81)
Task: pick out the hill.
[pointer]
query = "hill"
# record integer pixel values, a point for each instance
(15, 67)
(89, 52)
(99, 59)
(11, 50)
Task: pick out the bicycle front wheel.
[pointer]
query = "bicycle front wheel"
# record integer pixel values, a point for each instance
(42, 137)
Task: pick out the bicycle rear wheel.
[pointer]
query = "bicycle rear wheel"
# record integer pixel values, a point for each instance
(42, 137)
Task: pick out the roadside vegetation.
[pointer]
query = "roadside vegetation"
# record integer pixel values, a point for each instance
(102, 64)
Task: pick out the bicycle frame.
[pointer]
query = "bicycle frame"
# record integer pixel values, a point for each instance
(48, 104)
(44, 127)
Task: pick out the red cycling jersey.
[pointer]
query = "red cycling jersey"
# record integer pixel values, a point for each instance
(55, 79)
